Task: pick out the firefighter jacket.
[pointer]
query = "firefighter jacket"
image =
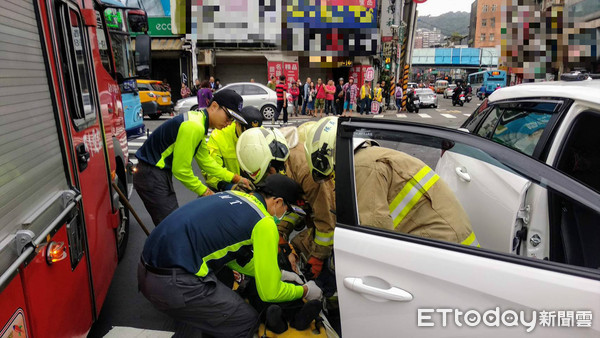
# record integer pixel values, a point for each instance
(401, 193)
(229, 228)
(317, 242)
(221, 147)
(174, 145)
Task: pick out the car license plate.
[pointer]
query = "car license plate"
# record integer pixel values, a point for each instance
(462, 98)
(165, 99)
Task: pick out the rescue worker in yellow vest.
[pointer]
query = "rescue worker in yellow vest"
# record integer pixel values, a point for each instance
(366, 96)
(395, 191)
(221, 146)
(260, 154)
(378, 95)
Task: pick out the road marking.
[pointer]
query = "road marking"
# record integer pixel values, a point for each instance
(439, 110)
(377, 116)
(454, 111)
(135, 144)
(467, 114)
(448, 116)
(401, 115)
(425, 116)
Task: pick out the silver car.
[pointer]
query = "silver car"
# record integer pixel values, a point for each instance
(427, 97)
(254, 94)
(448, 92)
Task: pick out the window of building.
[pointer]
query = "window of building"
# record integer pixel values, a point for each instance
(494, 8)
(482, 36)
(491, 36)
(483, 22)
(493, 22)
(484, 9)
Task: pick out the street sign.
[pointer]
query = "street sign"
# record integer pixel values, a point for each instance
(369, 74)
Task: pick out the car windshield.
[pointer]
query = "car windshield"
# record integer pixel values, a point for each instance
(451, 86)
(158, 86)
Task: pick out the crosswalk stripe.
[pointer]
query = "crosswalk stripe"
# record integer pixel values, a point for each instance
(448, 116)
(377, 116)
(136, 144)
(467, 114)
(425, 116)
(401, 115)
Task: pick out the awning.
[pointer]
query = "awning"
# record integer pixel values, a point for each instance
(164, 44)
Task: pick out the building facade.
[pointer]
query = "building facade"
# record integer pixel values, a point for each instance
(473, 24)
(488, 24)
(428, 38)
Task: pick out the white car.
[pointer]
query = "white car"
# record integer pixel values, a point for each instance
(538, 227)
(253, 94)
(427, 98)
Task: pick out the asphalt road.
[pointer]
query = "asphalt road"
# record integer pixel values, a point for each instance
(124, 306)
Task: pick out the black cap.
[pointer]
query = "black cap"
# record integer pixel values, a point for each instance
(252, 116)
(232, 101)
(278, 185)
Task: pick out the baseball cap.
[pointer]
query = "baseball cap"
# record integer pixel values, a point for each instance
(278, 185)
(232, 101)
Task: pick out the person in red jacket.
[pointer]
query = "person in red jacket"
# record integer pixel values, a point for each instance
(295, 92)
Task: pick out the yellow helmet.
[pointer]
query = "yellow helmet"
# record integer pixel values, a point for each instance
(319, 148)
(257, 148)
(303, 130)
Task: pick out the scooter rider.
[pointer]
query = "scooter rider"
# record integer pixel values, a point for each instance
(456, 93)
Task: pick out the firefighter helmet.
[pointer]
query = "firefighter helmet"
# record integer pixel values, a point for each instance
(319, 148)
(259, 148)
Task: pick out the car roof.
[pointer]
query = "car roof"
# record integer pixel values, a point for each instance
(587, 90)
(248, 83)
(148, 81)
(424, 89)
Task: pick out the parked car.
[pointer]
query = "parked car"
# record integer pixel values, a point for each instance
(427, 97)
(397, 282)
(254, 94)
(412, 85)
(555, 123)
(155, 100)
(449, 90)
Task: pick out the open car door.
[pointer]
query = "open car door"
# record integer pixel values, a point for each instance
(394, 284)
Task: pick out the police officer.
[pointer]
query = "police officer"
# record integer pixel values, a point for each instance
(221, 146)
(177, 269)
(395, 191)
(170, 149)
(262, 153)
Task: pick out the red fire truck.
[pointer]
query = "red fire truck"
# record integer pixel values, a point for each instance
(62, 145)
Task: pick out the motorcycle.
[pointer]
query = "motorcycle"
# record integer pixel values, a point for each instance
(460, 100)
(412, 103)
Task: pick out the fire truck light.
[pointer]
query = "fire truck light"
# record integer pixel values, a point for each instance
(56, 252)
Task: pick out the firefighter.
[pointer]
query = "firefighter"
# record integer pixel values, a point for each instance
(259, 154)
(395, 191)
(177, 268)
(170, 149)
(221, 146)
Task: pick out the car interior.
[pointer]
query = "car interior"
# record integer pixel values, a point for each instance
(578, 227)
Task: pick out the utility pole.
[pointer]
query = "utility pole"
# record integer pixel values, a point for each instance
(409, 17)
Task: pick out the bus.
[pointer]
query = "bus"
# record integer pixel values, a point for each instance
(120, 38)
(490, 79)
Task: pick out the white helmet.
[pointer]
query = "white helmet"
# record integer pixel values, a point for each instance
(257, 147)
(319, 148)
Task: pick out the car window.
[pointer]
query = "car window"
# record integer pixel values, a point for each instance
(425, 91)
(237, 88)
(518, 125)
(144, 87)
(158, 87)
(254, 90)
(416, 184)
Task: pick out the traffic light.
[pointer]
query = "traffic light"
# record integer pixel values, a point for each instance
(388, 63)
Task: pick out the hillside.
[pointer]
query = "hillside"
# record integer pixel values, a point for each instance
(447, 23)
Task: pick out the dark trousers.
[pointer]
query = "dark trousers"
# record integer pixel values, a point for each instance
(155, 188)
(339, 106)
(280, 108)
(329, 109)
(202, 303)
(304, 102)
(366, 106)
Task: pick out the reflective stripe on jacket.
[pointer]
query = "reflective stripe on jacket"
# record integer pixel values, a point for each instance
(399, 192)
(221, 147)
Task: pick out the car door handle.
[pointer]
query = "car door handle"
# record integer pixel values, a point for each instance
(393, 293)
(463, 174)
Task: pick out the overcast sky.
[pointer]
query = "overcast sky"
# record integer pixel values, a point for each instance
(438, 7)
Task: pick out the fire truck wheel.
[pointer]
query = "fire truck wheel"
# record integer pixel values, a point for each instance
(122, 231)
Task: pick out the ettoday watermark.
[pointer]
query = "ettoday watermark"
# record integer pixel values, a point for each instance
(509, 318)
